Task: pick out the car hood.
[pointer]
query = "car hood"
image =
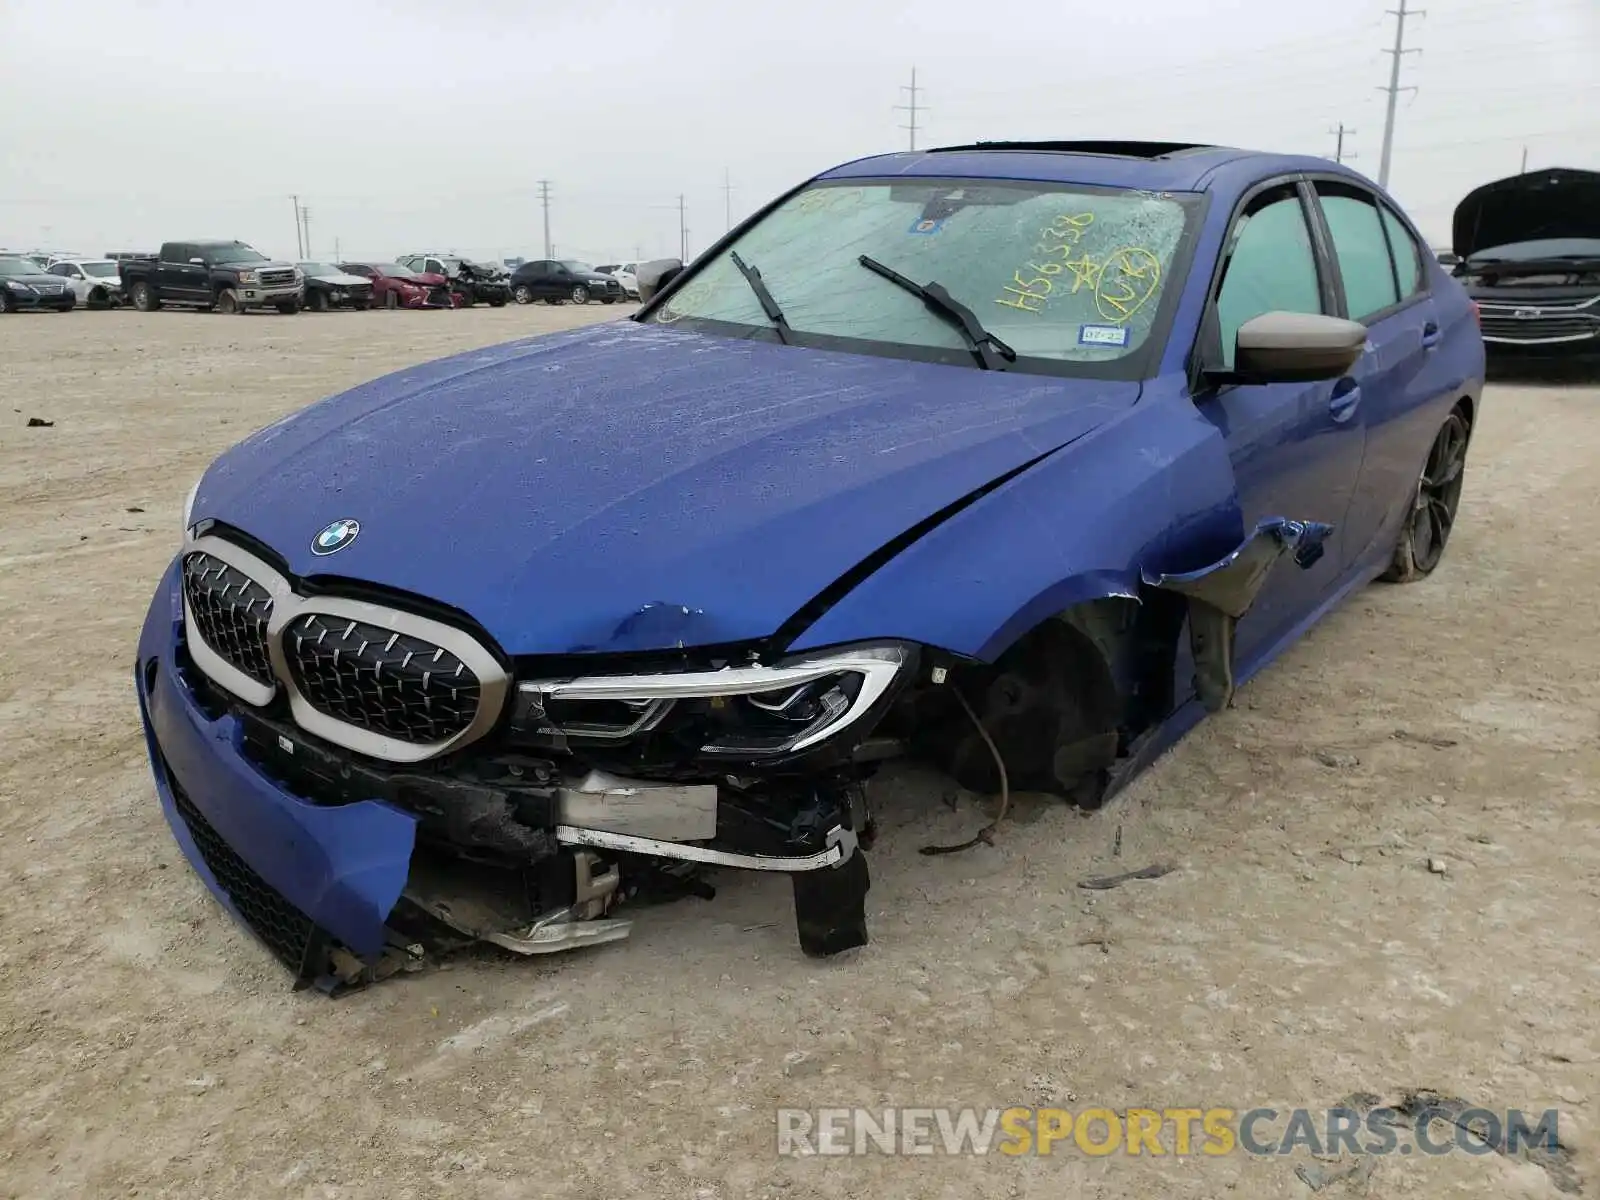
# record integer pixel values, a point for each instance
(633, 487)
(1557, 203)
(34, 279)
(341, 280)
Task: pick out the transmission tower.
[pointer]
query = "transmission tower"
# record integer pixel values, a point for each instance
(912, 107)
(1394, 89)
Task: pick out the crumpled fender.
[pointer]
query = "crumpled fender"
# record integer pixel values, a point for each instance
(1222, 592)
(1152, 491)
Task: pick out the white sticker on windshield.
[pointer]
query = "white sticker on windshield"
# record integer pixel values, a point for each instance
(1102, 335)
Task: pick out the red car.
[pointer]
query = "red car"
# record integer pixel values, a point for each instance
(394, 286)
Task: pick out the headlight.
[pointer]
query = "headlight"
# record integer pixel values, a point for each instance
(188, 507)
(298, 275)
(17, 287)
(740, 712)
(247, 276)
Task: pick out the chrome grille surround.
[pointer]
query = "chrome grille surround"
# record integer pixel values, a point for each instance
(318, 713)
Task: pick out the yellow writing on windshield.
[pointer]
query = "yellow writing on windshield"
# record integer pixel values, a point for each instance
(1128, 277)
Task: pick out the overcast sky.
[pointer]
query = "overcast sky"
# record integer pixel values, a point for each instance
(411, 124)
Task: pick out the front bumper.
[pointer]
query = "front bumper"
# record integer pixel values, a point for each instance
(65, 298)
(259, 296)
(302, 878)
(330, 875)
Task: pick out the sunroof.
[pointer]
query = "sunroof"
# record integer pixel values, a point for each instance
(1114, 149)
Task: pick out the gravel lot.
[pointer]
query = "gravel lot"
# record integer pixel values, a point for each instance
(1302, 952)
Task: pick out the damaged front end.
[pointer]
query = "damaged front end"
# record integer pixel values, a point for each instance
(589, 793)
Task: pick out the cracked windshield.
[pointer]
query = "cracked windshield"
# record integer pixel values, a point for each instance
(1052, 273)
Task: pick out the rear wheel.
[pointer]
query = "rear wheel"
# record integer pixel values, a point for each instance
(1434, 504)
(608, 299)
(68, 304)
(498, 302)
(144, 297)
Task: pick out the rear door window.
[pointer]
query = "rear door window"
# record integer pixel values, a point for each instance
(1362, 250)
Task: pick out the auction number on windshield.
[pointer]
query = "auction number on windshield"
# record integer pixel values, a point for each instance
(1121, 282)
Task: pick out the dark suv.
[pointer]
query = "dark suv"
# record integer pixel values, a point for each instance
(556, 282)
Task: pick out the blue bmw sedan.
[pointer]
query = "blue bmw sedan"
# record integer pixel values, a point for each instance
(1015, 458)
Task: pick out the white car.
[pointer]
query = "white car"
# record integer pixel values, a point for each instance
(625, 275)
(97, 282)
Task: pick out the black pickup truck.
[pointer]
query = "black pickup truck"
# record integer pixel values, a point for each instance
(228, 277)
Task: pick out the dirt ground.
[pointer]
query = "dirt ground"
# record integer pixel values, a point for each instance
(1303, 950)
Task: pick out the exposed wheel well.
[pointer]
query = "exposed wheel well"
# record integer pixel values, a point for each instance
(1062, 703)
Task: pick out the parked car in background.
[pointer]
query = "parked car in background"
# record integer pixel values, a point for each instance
(472, 281)
(558, 281)
(327, 286)
(1529, 250)
(1016, 458)
(124, 255)
(623, 273)
(394, 286)
(25, 284)
(95, 282)
(230, 277)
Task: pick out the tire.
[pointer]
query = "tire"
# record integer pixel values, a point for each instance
(499, 302)
(1434, 504)
(98, 298)
(579, 294)
(522, 294)
(70, 304)
(315, 301)
(288, 307)
(8, 303)
(391, 300)
(228, 303)
(144, 297)
(553, 301)
(608, 299)
(468, 297)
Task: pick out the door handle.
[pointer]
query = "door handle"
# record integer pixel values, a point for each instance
(1344, 401)
(1431, 335)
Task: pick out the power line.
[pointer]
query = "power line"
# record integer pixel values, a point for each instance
(1338, 147)
(1394, 89)
(913, 108)
(544, 199)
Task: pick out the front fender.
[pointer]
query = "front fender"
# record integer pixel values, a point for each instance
(1151, 491)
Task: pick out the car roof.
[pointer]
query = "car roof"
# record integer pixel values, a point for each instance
(1158, 166)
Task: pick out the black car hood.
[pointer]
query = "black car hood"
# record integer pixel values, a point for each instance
(33, 280)
(1557, 203)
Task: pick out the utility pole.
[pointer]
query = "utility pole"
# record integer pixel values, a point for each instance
(299, 242)
(727, 196)
(1394, 89)
(683, 229)
(1338, 152)
(337, 257)
(1524, 160)
(544, 198)
(913, 108)
(305, 220)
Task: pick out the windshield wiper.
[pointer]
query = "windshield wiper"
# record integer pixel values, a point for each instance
(768, 304)
(991, 352)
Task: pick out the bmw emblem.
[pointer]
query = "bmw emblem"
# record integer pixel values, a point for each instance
(335, 537)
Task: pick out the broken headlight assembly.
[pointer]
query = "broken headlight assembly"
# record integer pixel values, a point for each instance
(735, 712)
